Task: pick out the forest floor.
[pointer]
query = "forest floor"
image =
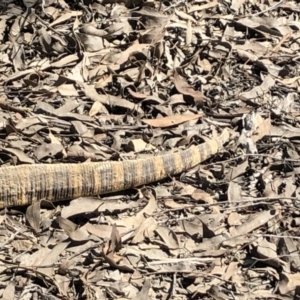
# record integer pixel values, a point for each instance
(87, 80)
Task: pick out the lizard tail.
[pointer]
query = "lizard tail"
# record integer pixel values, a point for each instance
(26, 184)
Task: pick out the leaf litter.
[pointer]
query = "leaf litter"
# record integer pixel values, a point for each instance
(103, 80)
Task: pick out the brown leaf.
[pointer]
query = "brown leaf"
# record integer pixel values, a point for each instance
(203, 196)
(79, 235)
(288, 285)
(103, 231)
(144, 293)
(144, 230)
(263, 129)
(33, 216)
(52, 257)
(115, 242)
(22, 157)
(134, 48)
(171, 120)
(168, 237)
(183, 87)
(67, 90)
(9, 291)
(138, 219)
(138, 145)
(49, 150)
(66, 224)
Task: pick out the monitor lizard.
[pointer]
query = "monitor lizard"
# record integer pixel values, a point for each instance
(27, 184)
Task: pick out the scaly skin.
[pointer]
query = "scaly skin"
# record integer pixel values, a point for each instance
(26, 184)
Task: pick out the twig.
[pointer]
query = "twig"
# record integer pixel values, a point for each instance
(265, 10)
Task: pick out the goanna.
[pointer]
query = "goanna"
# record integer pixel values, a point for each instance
(26, 184)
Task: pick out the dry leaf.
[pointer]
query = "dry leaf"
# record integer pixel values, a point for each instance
(171, 120)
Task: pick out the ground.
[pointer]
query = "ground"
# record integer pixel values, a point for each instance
(86, 80)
